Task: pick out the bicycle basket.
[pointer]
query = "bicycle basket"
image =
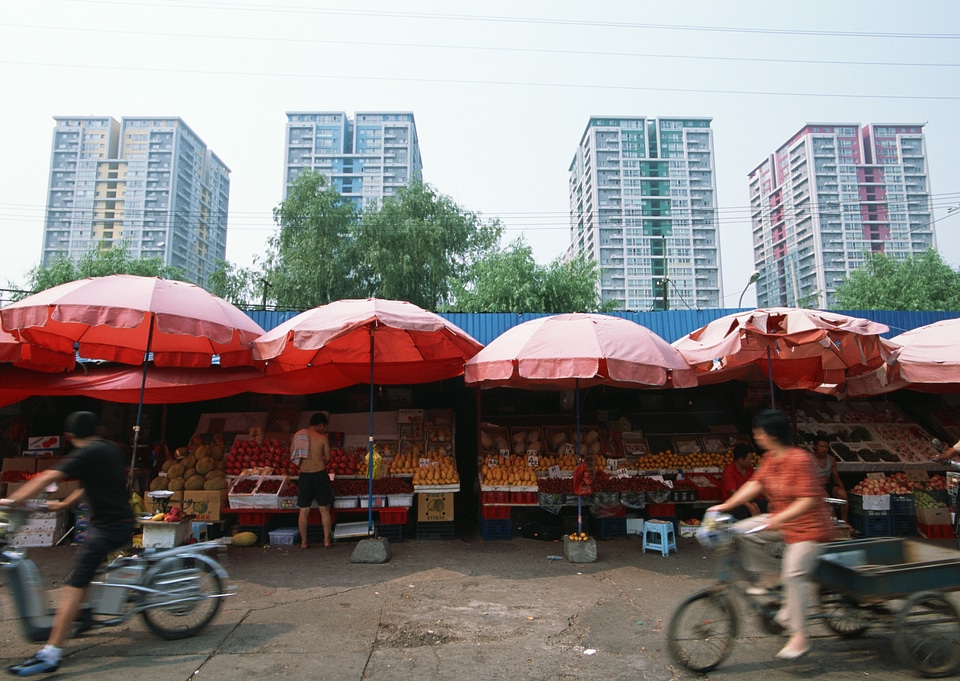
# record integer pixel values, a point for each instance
(715, 530)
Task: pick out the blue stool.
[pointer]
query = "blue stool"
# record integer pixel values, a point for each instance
(659, 534)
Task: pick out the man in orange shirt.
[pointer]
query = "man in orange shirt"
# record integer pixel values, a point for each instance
(734, 475)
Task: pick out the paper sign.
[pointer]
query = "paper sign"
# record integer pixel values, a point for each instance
(553, 471)
(611, 464)
(533, 459)
(493, 462)
(876, 476)
(424, 463)
(570, 448)
(505, 452)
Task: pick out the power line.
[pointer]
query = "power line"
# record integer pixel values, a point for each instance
(509, 83)
(286, 40)
(281, 9)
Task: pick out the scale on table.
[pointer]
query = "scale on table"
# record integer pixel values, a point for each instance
(348, 530)
(161, 497)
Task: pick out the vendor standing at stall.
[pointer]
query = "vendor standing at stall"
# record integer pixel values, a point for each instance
(827, 469)
(311, 449)
(734, 475)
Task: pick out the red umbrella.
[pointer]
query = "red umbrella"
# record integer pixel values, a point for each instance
(355, 341)
(568, 351)
(27, 356)
(121, 317)
(926, 359)
(792, 348)
(565, 351)
(125, 318)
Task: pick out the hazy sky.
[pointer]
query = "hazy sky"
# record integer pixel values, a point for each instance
(501, 92)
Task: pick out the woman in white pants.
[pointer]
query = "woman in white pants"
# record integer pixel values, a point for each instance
(798, 516)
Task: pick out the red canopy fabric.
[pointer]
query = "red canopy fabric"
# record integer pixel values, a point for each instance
(120, 317)
(165, 385)
(807, 349)
(329, 346)
(23, 354)
(563, 351)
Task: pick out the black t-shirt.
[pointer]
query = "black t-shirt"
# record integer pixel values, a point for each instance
(100, 468)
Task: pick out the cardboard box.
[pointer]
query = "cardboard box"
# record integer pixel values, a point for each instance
(64, 488)
(165, 535)
(435, 507)
(44, 442)
(20, 463)
(205, 505)
(49, 462)
(933, 516)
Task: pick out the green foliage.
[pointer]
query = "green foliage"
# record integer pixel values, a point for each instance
(417, 245)
(237, 285)
(311, 261)
(97, 262)
(921, 282)
(509, 280)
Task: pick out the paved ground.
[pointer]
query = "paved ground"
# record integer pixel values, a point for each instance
(463, 608)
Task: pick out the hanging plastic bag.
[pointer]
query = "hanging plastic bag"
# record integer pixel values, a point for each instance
(582, 480)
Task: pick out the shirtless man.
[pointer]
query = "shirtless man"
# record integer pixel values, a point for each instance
(827, 469)
(311, 446)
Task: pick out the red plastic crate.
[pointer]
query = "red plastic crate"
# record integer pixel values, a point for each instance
(711, 492)
(252, 518)
(935, 531)
(488, 512)
(661, 510)
(494, 497)
(523, 498)
(393, 516)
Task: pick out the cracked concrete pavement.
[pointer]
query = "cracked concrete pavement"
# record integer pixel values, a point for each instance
(462, 608)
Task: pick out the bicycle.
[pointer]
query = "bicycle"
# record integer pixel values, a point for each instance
(177, 591)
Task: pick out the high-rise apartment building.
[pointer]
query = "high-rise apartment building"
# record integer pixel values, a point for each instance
(148, 183)
(643, 205)
(830, 196)
(365, 158)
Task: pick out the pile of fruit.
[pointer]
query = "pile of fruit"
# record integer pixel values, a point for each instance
(565, 462)
(342, 462)
(693, 460)
(16, 476)
(555, 485)
(201, 469)
(573, 536)
(270, 453)
(922, 499)
(507, 471)
(174, 515)
(441, 470)
(896, 483)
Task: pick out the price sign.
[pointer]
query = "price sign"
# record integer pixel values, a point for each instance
(553, 472)
(569, 448)
(493, 462)
(505, 452)
(533, 459)
(622, 473)
(876, 476)
(668, 483)
(612, 464)
(424, 463)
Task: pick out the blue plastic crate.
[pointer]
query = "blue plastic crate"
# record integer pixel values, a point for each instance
(609, 528)
(492, 530)
(904, 525)
(392, 533)
(872, 526)
(437, 530)
(902, 504)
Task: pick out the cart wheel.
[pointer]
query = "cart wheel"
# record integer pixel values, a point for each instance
(702, 630)
(843, 616)
(927, 634)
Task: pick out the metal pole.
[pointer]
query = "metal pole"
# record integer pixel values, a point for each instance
(370, 446)
(143, 388)
(576, 409)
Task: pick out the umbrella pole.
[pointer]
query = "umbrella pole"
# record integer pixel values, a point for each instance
(370, 448)
(576, 411)
(143, 389)
(773, 399)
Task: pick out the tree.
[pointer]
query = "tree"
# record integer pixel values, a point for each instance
(237, 285)
(509, 280)
(419, 245)
(921, 282)
(311, 261)
(97, 262)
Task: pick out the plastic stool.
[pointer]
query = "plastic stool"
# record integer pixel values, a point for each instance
(199, 531)
(659, 534)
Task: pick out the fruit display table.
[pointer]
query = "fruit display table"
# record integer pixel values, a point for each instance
(266, 519)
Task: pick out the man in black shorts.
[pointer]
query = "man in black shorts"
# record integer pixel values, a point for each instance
(311, 446)
(99, 466)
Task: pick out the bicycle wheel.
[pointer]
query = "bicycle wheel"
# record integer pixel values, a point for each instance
(187, 598)
(843, 616)
(702, 630)
(927, 634)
